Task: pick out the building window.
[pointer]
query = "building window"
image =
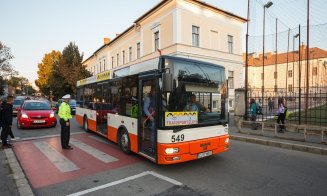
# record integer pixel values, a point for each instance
(104, 64)
(314, 71)
(230, 44)
(275, 75)
(130, 54)
(156, 40)
(123, 57)
(290, 88)
(195, 36)
(230, 103)
(231, 79)
(100, 67)
(214, 104)
(290, 73)
(112, 62)
(138, 50)
(117, 60)
(261, 76)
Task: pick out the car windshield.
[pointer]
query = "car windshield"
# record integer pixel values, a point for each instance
(18, 102)
(37, 106)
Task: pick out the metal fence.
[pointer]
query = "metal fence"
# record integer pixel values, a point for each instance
(303, 109)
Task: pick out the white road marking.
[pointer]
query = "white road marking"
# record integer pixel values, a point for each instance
(93, 151)
(125, 180)
(47, 136)
(60, 161)
(99, 139)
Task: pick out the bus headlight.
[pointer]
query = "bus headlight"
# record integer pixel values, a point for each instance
(226, 140)
(171, 150)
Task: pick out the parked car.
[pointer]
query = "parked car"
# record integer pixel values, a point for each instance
(72, 104)
(18, 102)
(34, 113)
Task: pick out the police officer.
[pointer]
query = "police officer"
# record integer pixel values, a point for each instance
(65, 114)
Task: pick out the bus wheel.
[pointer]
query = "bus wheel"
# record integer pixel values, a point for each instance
(85, 124)
(124, 142)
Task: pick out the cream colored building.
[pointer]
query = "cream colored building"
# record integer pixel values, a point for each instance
(288, 73)
(184, 28)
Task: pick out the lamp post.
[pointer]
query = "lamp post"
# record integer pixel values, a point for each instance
(293, 74)
(267, 5)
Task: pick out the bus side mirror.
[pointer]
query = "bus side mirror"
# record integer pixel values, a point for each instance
(167, 82)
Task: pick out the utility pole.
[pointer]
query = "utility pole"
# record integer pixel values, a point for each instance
(247, 62)
(308, 67)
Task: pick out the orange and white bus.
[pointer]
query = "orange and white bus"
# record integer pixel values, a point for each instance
(114, 103)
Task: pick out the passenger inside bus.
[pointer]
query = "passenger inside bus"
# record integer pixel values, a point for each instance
(194, 105)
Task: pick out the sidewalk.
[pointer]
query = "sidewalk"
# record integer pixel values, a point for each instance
(288, 140)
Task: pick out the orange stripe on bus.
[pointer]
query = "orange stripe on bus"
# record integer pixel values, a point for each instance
(133, 139)
(79, 120)
(92, 125)
(112, 133)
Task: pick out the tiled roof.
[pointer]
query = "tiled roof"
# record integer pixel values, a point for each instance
(270, 59)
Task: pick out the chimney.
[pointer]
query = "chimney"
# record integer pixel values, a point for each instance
(106, 40)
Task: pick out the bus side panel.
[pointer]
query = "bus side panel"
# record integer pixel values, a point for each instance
(79, 119)
(116, 121)
(79, 115)
(190, 150)
(92, 125)
(112, 133)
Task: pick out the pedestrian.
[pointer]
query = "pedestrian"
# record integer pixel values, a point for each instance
(3, 105)
(149, 114)
(270, 105)
(65, 116)
(6, 120)
(253, 108)
(281, 115)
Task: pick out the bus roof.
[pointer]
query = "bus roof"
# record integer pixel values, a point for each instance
(152, 64)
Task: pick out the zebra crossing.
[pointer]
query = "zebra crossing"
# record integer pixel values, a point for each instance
(45, 163)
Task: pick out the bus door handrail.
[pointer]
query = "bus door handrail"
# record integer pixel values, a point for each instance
(152, 113)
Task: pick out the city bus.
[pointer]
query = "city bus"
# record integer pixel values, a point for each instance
(113, 104)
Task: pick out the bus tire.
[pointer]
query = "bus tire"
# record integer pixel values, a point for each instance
(85, 124)
(124, 141)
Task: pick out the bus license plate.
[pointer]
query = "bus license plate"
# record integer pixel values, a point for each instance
(39, 121)
(204, 154)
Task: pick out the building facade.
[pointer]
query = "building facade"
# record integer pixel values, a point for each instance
(283, 73)
(183, 28)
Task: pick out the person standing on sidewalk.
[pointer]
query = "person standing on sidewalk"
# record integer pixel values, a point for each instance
(253, 108)
(281, 115)
(65, 115)
(6, 121)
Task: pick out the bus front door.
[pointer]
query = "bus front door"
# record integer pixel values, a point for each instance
(147, 132)
(101, 108)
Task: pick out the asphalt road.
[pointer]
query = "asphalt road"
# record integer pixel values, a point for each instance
(247, 169)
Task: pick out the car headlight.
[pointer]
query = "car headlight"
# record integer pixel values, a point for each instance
(24, 115)
(171, 150)
(52, 115)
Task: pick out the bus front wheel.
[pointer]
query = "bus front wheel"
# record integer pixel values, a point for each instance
(124, 142)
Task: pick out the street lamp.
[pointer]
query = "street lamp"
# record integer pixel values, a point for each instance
(267, 5)
(293, 74)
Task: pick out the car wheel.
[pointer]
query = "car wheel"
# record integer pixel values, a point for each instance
(86, 124)
(124, 142)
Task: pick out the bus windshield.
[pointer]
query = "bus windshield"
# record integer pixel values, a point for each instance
(198, 97)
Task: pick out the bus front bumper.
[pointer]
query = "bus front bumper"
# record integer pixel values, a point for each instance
(192, 150)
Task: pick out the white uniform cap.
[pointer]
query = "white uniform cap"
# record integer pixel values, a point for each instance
(66, 96)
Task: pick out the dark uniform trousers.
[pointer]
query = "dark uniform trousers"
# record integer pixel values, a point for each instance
(4, 134)
(65, 133)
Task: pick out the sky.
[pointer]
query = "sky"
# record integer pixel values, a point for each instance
(34, 28)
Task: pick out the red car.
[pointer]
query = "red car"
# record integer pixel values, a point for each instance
(34, 113)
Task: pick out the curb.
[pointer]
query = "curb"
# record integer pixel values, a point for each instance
(22, 184)
(285, 145)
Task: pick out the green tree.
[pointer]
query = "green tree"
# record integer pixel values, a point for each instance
(46, 68)
(68, 71)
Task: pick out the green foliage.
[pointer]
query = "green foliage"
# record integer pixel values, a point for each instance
(67, 72)
(46, 68)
